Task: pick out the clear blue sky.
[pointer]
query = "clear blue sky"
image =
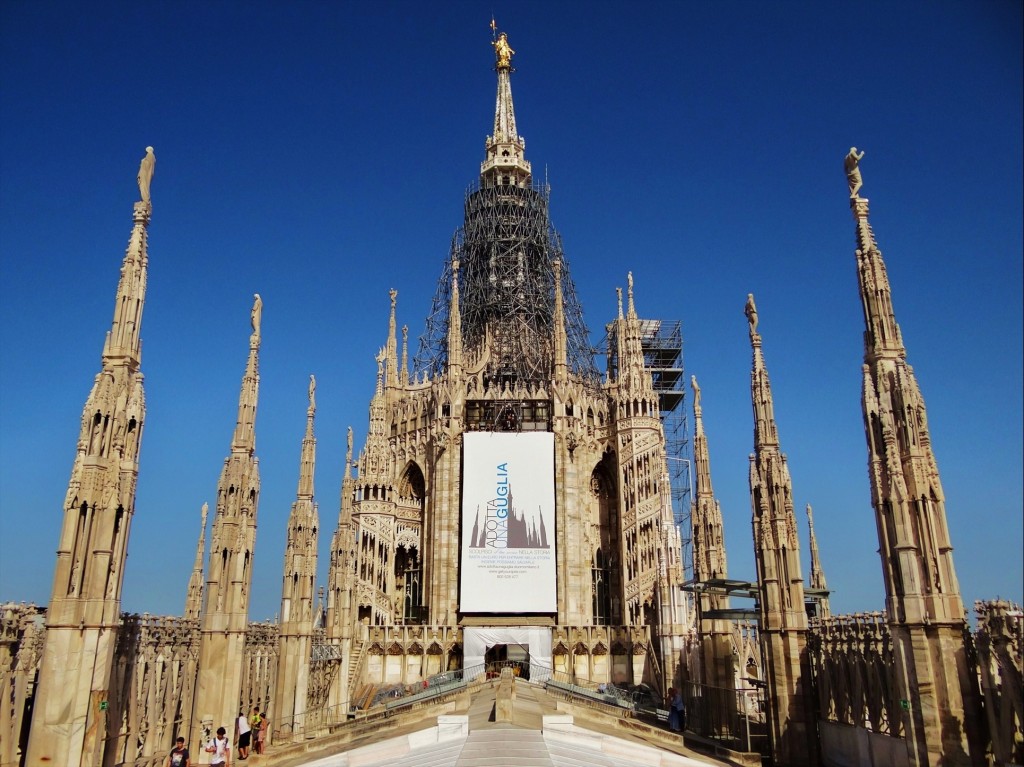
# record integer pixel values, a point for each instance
(318, 153)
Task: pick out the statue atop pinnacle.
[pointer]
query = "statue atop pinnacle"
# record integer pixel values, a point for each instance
(503, 51)
(751, 311)
(145, 177)
(852, 166)
(256, 315)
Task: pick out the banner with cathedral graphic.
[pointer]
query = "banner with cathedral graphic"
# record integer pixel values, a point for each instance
(508, 523)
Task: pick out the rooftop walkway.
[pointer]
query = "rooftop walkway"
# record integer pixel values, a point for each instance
(499, 723)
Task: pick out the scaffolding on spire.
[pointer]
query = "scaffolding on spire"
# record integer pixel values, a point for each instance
(506, 249)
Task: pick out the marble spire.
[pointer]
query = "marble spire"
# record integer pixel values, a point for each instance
(225, 614)
(780, 585)
(84, 614)
(506, 149)
(709, 557)
(298, 591)
(560, 340)
(709, 560)
(376, 459)
(775, 532)
(923, 603)
(391, 349)
(244, 440)
(455, 328)
(817, 575)
(194, 598)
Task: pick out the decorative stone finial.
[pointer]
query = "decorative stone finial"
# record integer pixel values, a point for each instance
(696, 392)
(145, 177)
(312, 393)
(852, 165)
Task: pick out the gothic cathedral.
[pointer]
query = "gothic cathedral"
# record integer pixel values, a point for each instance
(507, 497)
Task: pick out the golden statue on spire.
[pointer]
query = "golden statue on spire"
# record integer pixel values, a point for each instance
(502, 50)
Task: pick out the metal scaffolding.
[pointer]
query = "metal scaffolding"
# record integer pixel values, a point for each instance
(505, 251)
(662, 343)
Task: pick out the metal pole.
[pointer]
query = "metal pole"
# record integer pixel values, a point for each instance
(746, 715)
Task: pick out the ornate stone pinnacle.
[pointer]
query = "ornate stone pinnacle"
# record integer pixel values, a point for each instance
(142, 213)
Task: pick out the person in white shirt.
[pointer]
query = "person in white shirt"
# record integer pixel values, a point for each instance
(220, 747)
(243, 734)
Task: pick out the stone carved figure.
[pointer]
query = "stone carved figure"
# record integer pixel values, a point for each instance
(312, 392)
(503, 50)
(348, 451)
(73, 587)
(696, 391)
(111, 581)
(146, 168)
(751, 311)
(257, 314)
(852, 165)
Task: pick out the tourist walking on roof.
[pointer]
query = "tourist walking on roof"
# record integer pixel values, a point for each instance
(220, 747)
(179, 754)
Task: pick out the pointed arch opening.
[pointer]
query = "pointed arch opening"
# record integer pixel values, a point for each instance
(607, 544)
(409, 584)
(412, 489)
(409, 552)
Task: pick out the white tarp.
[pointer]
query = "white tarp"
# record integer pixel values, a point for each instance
(476, 642)
(508, 523)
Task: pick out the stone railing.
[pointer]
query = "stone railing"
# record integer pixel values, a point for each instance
(414, 640)
(599, 640)
(259, 669)
(21, 649)
(999, 642)
(853, 666)
(153, 681)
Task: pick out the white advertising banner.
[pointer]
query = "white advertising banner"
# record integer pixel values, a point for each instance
(508, 523)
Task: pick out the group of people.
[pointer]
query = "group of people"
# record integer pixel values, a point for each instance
(250, 732)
